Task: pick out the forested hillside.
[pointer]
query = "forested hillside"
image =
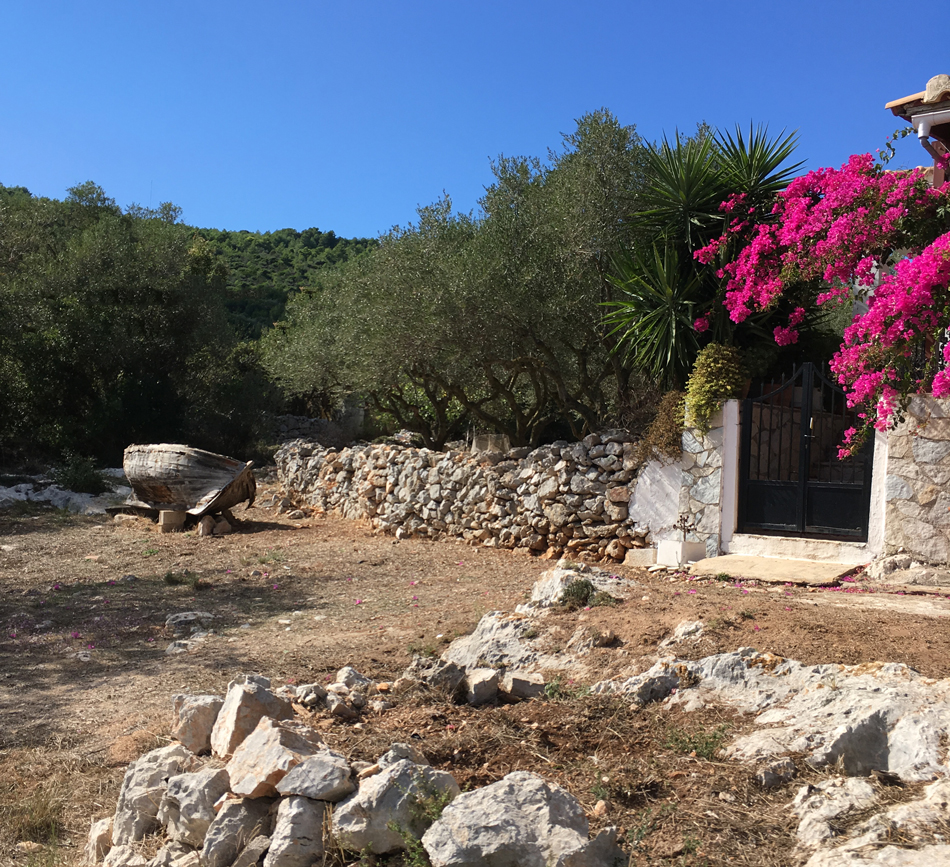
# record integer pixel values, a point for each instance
(265, 267)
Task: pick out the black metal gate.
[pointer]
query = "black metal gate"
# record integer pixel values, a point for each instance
(791, 482)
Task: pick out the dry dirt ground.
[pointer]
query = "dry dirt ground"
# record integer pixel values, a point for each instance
(86, 685)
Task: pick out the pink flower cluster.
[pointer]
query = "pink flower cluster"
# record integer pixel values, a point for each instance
(831, 231)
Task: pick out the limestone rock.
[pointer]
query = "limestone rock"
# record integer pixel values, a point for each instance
(174, 854)
(520, 685)
(99, 841)
(248, 700)
(267, 754)
(523, 820)
(187, 622)
(890, 856)
(297, 840)
(324, 776)
(438, 674)
(142, 789)
(481, 685)
(253, 854)
(123, 856)
(398, 752)
(817, 806)
(363, 820)
(194, 718)
(496, 641)
(352, 679)
(187, 809)
(686, 631)
(237, 823)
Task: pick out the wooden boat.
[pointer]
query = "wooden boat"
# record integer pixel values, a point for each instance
(182, 479)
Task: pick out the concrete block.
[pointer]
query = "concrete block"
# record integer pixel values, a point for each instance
(674, 553)
(640, 557)
(170, 521)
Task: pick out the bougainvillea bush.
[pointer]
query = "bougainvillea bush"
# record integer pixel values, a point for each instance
(831, 237)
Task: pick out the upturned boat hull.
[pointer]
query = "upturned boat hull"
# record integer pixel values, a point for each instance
(179, 478)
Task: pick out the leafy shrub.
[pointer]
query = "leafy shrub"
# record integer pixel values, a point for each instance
(80, 475)
(664, 436)
(717, 376)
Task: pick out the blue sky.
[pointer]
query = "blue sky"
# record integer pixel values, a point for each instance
(347, 116)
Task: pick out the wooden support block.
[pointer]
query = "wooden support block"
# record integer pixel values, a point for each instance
(171, 521)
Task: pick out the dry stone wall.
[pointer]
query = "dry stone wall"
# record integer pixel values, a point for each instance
(561, 498)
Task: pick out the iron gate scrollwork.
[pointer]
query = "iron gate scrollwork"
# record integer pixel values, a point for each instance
(791, 480)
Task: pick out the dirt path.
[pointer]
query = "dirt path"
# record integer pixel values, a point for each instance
(86, 685)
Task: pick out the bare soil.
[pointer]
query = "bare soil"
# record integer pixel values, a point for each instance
(86, 685)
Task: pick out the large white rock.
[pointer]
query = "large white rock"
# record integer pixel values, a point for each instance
(142, 789)
(187, 809)
(247, 702)
(817, 806)
(874, 716)
(324, 776)
(520, 821)
(238, 822)
(194, 718)
(889, 856)
(268, 753)
(498, 640)
(365, 819)
(297, 840)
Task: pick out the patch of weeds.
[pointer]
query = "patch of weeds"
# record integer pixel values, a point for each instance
(646, 823)
(36, 817)
(723, 576)
(704, 744)
(79, 474)
(747, 614)
(186, 578)
(425, 808)
(577, 594)
(531, 632)
(417, 648)
(149, 552)
(558, 689)
(601, 598)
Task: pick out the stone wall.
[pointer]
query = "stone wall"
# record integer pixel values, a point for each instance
(560, 499)
(701, 488)
(917, 502)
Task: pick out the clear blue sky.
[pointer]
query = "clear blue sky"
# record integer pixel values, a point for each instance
(349, 115)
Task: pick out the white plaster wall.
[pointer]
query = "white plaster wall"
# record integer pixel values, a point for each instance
(729, 502)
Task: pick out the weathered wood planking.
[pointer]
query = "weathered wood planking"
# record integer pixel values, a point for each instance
(178, 477)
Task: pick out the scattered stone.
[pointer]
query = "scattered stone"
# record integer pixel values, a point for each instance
(142, 790)
(297, 840)
(253, 854)
(324, 776)
(339, 708)
(222, 528)
(194, 718)
(521, 685)
(310, 695)
(262, 759)
(238, 822)
(352, 679)
(99, 841)
(481, 685)
(123, 856)
(364, 821)
(187, 808)
(188, 622)
(521, 819)
(438, 674)
(776, 773)
(400, 752)
(296, 515)
(688, 630)
(206, 526)
(248, 700)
